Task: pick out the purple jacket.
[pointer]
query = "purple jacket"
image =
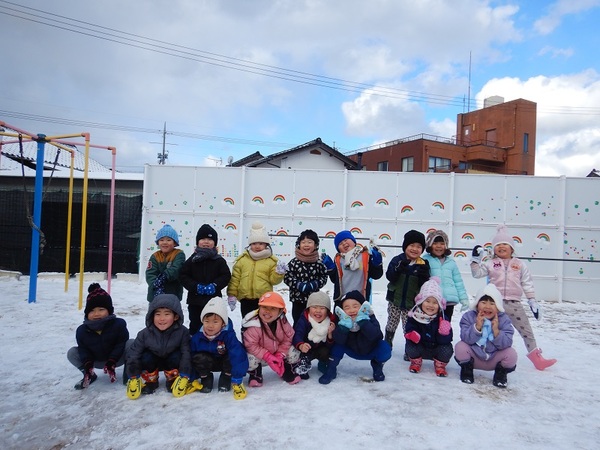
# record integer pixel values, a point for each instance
(470, 335)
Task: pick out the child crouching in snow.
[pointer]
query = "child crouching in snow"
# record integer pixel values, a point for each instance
(428, 333)
(215, 347)
(101, 340)
(358, 335)
(268, 339)
(486, 334)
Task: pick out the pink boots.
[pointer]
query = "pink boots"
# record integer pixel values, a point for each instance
(538, 360)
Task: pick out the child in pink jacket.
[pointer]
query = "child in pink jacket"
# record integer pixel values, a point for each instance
(267, 336)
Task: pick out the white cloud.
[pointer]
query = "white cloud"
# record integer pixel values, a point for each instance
(558, 10)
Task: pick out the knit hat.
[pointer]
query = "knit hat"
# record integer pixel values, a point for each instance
(308, 234)
(502, 237)
(412, 237)
(272, 299)
(437, 236)
(206, 231)
(343, 235)
(431, 288)
(218, 306)
(491, 291)
(319, 298)
(355, 295)
(167, 231)
(98, 298)
(258, 233)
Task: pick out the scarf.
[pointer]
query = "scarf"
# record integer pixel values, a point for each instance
(310, 258)
(420, 316)
(351, 260)
(263, 254)
(98, 325)
(202, 254)
(486, 333)
(319, 330)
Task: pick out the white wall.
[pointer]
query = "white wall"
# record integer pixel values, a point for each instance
(553, 219)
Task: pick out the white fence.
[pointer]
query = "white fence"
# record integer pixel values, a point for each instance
(554, 220)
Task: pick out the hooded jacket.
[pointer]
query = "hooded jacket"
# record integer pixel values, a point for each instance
(259, 339)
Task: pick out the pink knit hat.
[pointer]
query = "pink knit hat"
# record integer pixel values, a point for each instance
(431, 288)
(502, 237)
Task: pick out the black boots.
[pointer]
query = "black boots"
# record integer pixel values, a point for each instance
(500, 378)
(466, 371)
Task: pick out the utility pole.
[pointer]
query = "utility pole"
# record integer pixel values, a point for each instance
(164, 155)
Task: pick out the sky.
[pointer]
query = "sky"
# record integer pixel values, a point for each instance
(232, 78)
(553, 409)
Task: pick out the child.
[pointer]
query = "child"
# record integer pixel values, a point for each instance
(163, 345)
(255, 272)
(513, 279)
(406, 274)
(357, 335)
(313, 333)
(204, 274)
(268, 339)
(353, 268)
(216, 348)
(428, 333)
(162, 272)
(101, 340)
(306, 273)
(442, 265)
(486, 335)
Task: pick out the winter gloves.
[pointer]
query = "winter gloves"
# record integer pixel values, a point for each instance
(232, 301)
(281, 267)
(376, 258)
(536, 309)
(328, 262)
(464, 304)
(444, 327)
(345, 319)
(159, 284)
(109, 369)
(413, 336)
(206, 289)
(477, 254)
(307, 287)
(275, 362)
(364, 312)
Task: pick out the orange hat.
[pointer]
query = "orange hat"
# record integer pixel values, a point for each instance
(272, 299)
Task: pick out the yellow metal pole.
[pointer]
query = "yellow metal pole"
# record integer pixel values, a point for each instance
(83, 218)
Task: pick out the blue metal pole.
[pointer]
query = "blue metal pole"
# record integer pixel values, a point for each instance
(37, 218)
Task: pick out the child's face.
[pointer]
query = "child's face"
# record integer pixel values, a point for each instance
(487, 308)
(351, 307)
(206, 243)
(213, 324)
(318, 313)
(97, 313)
(438, 249)
(307, 246)
(268, 314)
(346, 245)
(166, 244)
(413, 251)
(258, 246)
(164, 318)
(503, 251)
(430, 306)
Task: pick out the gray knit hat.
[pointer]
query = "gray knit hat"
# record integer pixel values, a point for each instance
(319, 298)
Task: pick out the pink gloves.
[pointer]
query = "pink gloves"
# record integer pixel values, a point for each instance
(444, 327)
(275, 362)
(413, 336)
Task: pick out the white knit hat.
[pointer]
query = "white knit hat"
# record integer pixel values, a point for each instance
(502, 237)
(258, 233)
(491, 291)
(218, 306)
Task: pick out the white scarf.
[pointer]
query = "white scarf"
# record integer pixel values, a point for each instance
(319, 330)
(351, 260)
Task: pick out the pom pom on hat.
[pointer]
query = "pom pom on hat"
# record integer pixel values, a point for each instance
(431, 288)
(167, 231)
(207, 232)
(319, 298)
(412, 237)
(258, 233)
(437, 236)
(354, 295)
(98, 298)
(502, 237)
(489, 290)
(218, 306)
(272, 299)
(341, 236)
(308, 234)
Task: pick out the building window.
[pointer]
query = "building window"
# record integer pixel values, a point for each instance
(463, 165)
(526, 143)
(441, 164)
(382, 166)
(408, 164)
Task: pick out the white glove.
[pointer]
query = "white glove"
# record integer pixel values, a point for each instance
(232, 302)
(464, 305)
(477, 254)
(536, 309)
(281, 267)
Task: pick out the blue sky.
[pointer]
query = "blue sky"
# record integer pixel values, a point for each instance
(399, 68)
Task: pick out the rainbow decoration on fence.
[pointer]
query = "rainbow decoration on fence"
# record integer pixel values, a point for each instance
(357, 204)
(382, 202)
(438, 205)
(468, 237)
(330, 234)
(385, 237)
(517, 239)
(229, 201)
(488, 246)
(460, 254)
(304, 202)
(429, 231)
(281, 233)
(327, 204)
(356, 231)
(543, 237)
(258, 200)
(230, 227)
(279, 199)
(467, 207)
(406, 209)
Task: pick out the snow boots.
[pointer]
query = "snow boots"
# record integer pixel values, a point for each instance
(440, 368)
(256, 378)
(239, 391)
(331, 372)
(86, 381)
(415, 365)
(134, 387)
(538, 360)
(378, 374)
(150, 382)
(466, 371)
(224, 382)
(207, 383)
(171, 376)
(500, 380)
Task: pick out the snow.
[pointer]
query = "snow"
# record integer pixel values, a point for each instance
(40, 409)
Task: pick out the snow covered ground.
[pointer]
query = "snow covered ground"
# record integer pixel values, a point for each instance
(557, 408)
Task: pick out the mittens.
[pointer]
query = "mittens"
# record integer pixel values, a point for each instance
(536, 309)
(88, 373)
(328, 262)
(364, 312)
(345, 319)
(464, 304)
(109, 369)
(281, 267)
(275, 363)
(306, 287)
(444, 327)
(232, 301)
(159, 281)
(376, 258)
(206, 289)
(477, 254)
(413, 336)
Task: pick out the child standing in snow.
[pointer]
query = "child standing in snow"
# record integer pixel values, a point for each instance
(512, 278)
(268, 337)
(486, 336)
(254, 272)
(428, 333)
(353, 267)
(406, 274)
(313, 333)
(215, 347)
(442, 265)
(357, 335)
(163, 345)
(204, 274)
(306, 273)
(162, 272)
(101, 340)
